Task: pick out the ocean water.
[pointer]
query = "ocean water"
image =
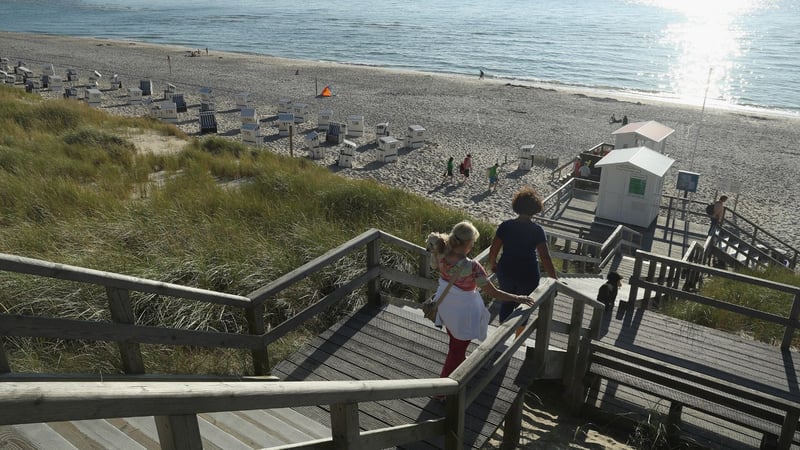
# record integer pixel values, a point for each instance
(727, 53)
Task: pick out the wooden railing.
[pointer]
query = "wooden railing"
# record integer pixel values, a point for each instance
(175, 404)
(663, 278)
(592, 256)
(744, 229)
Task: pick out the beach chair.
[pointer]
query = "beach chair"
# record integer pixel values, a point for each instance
(324, 118)
(415, 136)
(72, 76)
(207, 106)
(285, 122)
(335, 134)
(355, 126)
(387, 149)
(251, 133)
(208, 122)
(248, 115)
(146, 86)
(180, 103)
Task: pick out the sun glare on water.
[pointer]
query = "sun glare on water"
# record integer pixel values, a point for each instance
(707, 42)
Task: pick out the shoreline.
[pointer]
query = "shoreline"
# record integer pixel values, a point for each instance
(489, 118)
(619, 94)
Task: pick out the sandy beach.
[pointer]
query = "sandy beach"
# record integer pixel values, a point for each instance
(488, 118)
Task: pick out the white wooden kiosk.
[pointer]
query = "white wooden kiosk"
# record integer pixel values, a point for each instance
(649, 134)
(631, 185)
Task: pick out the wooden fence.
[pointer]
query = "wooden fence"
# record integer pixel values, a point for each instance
(175, 404)
(664, 276)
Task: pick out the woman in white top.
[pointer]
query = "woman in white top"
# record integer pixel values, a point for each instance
(462, 311)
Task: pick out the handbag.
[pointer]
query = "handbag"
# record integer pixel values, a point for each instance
(431, 307)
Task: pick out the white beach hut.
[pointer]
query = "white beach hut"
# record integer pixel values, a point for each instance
(134, 96)
(243, 100)
(206, 94)
(324, 118)
(347, 154)
(284, 106)
(301, 112)
(94, 97)
(355, 125)
(381, 129)
(169, 112)
(415, 136)
(526, 157)
(651, 134)
(248, 115)
(631, 184)
(285, 121)
(251, 132)
(387, 149)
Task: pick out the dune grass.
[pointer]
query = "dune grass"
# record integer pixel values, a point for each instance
(743, 294)
(225, 217)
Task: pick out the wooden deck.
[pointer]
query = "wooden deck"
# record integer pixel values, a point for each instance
(758, 366)
(392, 342)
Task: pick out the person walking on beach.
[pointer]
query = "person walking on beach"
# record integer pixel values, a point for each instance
(466, 166)
(448, 172)
(462, 311)
(624, 120)
(523, 243)
(492, 173)
(480, 77)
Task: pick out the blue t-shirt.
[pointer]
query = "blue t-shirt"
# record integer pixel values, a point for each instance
(519, 259)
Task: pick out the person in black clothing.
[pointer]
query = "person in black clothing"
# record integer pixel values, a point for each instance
(607, 294)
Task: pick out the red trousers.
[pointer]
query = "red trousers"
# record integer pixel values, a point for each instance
(456, 354)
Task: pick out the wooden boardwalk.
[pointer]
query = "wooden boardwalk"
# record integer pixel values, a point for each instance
(393, 342)
(739, 360)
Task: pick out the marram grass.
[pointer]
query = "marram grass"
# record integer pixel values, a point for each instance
(217, 215)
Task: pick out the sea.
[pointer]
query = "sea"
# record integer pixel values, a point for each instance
(724, 53)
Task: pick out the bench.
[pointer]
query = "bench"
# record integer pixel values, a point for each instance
(775, 417)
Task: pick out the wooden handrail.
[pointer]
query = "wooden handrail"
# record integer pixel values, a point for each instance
(664, 286)
(20, 264)
(52, 401)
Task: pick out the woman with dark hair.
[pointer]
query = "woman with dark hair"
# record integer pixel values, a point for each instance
(524, 244)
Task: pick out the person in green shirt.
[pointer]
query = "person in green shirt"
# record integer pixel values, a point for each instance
(492, 172)
(448, 172)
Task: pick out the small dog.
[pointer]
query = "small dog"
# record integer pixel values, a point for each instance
(435, 244)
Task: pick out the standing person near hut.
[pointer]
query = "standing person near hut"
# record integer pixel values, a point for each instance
(717, 214)
(466, 167)
(524, 244)
(462, 311)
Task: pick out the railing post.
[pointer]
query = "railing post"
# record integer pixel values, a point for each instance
(573, 343)
(344, 426)
(4, 366)
(635, 277)
(424, 271)
(257, 327)
(179, 432)
(454, 420)
(374, 260)
(794, 314)
(544, 327)
(119, 304)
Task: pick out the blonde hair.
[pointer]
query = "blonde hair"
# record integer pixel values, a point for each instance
(441, 243)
